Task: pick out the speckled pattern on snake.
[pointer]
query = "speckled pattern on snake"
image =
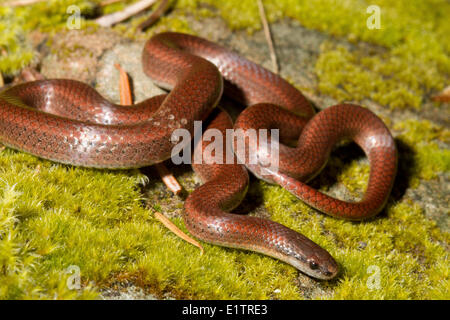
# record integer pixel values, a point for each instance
(69, 122)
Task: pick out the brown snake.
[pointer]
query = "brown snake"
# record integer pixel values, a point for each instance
(69, 122)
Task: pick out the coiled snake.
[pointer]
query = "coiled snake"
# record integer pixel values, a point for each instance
(69, 122)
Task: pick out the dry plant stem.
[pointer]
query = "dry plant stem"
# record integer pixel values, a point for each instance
(172, 227)
(116, 17)
(265, 24)
(124, 86)
(163, 6)
(167, 177)
(30, 74)
(444, 96)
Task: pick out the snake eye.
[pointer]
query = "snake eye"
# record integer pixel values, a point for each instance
(313, 265)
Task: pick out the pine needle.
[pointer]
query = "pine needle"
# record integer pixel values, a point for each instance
(265, 24)
(172, 227)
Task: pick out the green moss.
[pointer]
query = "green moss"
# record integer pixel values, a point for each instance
(423, 131)
(15, 53)
(418, 25)
(354, 176)
(54, 216)
(403, 245)
(422, 137)
(47, 16)
(175, 22)
(114, 7)
(384, 78)
(414, 32)
(53, 15)
(22, 276)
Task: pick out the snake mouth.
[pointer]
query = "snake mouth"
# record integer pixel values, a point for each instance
(330, 272)
(316, 263)
(326, 271)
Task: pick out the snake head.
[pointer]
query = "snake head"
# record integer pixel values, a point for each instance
(321, 265)
(305, 255)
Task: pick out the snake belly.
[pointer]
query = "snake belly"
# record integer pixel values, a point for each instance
(69, 122)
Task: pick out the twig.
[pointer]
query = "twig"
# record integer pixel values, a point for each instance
(273, 56)
(27, 74)
(2, 83)
(30, 74)
(20, 3)
(168, 178)
(172, 227)
(163, 6)
(113, 18)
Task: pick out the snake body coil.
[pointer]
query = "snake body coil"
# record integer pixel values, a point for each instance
(69, 122)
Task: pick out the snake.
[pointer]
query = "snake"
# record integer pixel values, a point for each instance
(68, 121)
